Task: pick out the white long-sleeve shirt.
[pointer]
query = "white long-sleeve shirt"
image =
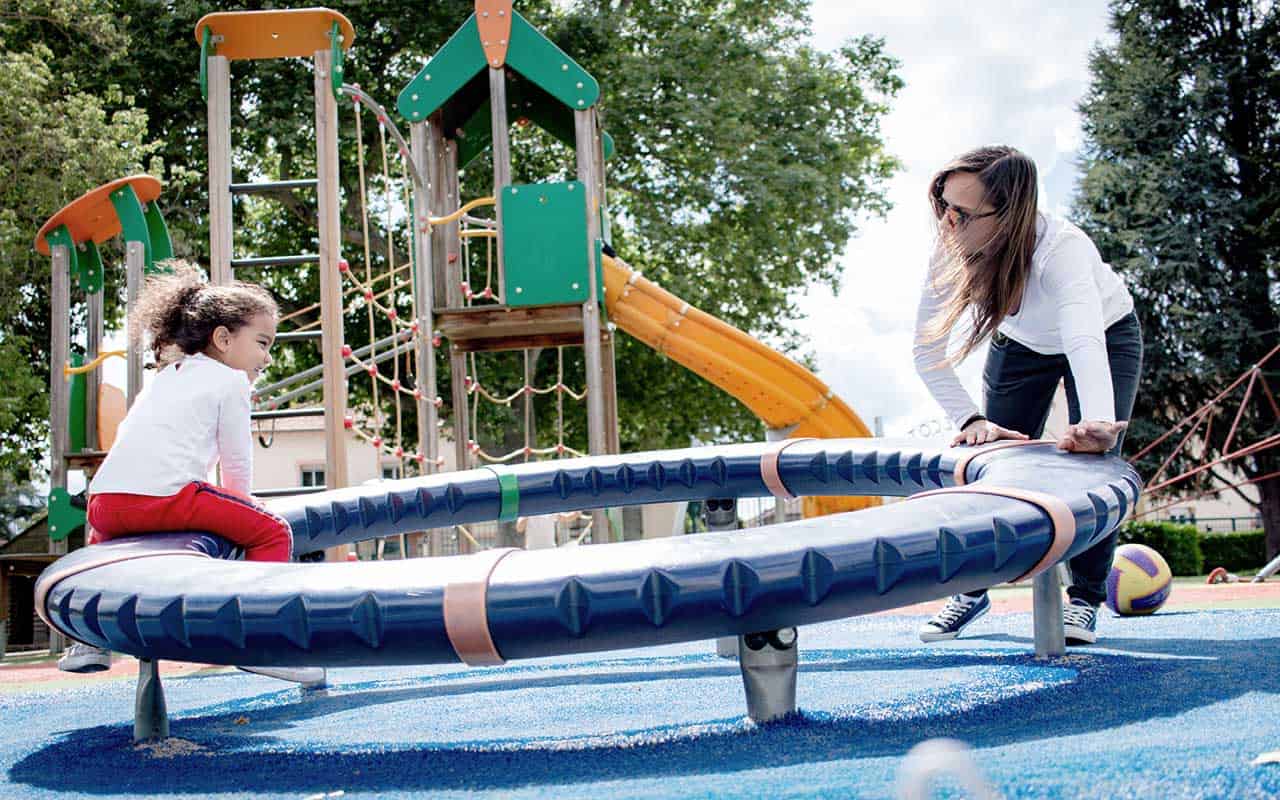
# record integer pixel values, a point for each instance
(194, 414)
(1072, 296)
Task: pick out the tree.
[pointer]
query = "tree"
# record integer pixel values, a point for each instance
(1181, 191)
(57, 140)
(744, 161)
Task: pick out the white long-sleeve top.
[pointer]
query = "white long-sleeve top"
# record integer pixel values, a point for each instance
(194, 414)
(1072, 296)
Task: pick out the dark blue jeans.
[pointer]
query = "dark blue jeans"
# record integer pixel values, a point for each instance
(1018, 386)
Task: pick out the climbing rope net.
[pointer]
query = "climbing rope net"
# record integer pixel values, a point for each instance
(379, 291)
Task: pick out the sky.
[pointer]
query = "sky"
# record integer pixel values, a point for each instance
(976, 73)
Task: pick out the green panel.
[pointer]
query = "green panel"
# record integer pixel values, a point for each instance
(477, 133)
(206, 50)
(61, 235)
(63, 516)
(76, 413)
(538, 59)
(544, 243)
(133, 221)
(90, 275)
(509, 507)
(447, 72)
(158, 233)
(336, 57)
(476, 136)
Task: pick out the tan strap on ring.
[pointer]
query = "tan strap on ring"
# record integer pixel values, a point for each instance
(466, 616)
(1062, 521)
(769, 468)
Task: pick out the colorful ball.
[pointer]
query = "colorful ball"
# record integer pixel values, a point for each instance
(1139, 582)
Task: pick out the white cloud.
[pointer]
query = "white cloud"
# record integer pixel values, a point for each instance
(977, 73)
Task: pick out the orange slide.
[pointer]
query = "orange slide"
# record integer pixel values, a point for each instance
(782, 393)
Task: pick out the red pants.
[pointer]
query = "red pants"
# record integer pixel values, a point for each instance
(198, 507)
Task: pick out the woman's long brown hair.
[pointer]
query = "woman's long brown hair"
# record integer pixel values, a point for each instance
(989, 282)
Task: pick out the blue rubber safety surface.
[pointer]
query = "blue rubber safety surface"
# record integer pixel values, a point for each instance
(1171, 706)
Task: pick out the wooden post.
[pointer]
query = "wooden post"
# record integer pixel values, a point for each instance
(610, 387)
(442, 291)
(220, 239)
(423, 294)
(335, 384)
(585, 124)
(135, 263)
(501, 161)
(59, 392)
(452, 232)
(424, 298)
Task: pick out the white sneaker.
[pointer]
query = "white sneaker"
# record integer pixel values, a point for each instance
(81, 657)
(307, 677)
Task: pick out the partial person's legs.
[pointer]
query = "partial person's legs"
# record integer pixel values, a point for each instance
(1090, 569)
(1018, 386)
(1017, 389)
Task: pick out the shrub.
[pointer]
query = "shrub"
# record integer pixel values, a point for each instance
(1178, 543)
(1235, 552)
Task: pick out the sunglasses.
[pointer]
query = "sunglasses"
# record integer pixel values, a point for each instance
(963, 217)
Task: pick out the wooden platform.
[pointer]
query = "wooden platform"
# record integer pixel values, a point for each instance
(491, 328)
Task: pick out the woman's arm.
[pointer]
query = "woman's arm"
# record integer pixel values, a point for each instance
(1069, 283)
(930, 358)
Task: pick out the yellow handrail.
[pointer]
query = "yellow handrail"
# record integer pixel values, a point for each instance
(69, 370)
(479, 233)
(479, 201)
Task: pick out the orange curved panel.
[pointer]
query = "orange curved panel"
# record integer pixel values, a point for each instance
(781, 392)
(91, 217)
(296, 33)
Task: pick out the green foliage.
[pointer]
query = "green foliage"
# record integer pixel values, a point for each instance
(1178, 543)
(1234, 552)
(744, 162)
(1181, 192)
(58, 138)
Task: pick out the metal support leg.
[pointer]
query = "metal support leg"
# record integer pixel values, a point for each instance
(769, 661)
(1046, 610)
(150, 717)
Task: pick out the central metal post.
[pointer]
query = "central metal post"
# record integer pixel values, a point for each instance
(1046, 610)
(150, 717)
(769, 662)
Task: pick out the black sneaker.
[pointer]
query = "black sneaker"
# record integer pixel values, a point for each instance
(1080, 622)
(955, 616)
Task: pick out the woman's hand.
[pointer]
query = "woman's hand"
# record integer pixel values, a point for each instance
(1091, 437)
(982, 431)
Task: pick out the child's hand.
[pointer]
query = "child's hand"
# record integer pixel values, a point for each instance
(1091, 437)
(982, 431)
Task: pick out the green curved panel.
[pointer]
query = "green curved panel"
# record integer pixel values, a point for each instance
(63, 516)
(447, 72)
(133, 220)
(90, 273)
(158, 233)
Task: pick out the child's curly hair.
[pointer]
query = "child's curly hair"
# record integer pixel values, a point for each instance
(179, 310)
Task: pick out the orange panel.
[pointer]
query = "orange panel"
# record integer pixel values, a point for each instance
(111, 411)
(91, 215)
(297, 33)
(493, 18)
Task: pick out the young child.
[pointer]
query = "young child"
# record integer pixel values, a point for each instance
(210, 344)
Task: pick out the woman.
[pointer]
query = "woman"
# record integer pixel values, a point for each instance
(1054, 311)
